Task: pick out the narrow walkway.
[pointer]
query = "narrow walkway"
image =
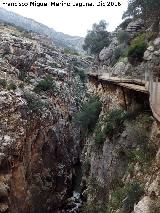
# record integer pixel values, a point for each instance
(134, 84)
(151, 86)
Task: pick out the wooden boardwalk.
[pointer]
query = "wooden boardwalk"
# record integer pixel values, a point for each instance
(150, 84)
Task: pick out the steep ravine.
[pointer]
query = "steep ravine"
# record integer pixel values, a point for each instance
(57, 156)
(121, 159)
(40, 91)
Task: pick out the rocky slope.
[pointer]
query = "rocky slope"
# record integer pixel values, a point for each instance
(114, 137)
(61, 39)
(121, 157)
(133, 49)
(40, 92)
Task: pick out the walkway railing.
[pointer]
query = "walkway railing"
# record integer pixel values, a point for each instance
(149, 80)
(153, 86)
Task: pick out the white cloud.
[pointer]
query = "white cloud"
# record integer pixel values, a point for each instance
(71, 20)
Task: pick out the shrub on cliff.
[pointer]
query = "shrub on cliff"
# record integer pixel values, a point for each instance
(70, 51)
(113, 123)
(136, 52)
(114, 120)
(89, 114)
(11, 86)
(123, 36)
(81, 73)
(47, 84)
(124, 197)
(3, 83)
(136, 49)
(34, 103)
(145, 151)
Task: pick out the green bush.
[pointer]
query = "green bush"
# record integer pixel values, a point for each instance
(34, 103)
(124, 197)
(89, 114)
(47, 84)
(99, 137)
(11, 86)
(3, 83)
(123, 36)
(70, 51)
(136, 52)
(54, 65)
(117, 54)
(21, 85)
(22, 75)
(81, 73)
(113, 123)
(134, 193)
(145, 151)
(136, 49)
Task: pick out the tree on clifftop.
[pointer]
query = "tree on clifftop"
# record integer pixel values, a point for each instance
(97, 38)
(148, 10)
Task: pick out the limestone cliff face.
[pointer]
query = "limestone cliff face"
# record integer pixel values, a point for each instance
(39, 94)
(123, 171)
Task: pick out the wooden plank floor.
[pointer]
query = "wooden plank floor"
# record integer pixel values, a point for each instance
(137, 85)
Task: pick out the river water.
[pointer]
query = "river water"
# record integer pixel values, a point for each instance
(75, 202)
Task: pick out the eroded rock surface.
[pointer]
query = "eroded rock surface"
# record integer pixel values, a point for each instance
(39, 142)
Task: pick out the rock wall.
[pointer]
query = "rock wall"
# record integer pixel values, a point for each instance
(123, 171)
(39, 94)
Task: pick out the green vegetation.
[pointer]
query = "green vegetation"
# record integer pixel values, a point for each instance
(124, 197)
(139, 134)
(54, 65)
(99, 135)
(3, 83)
(21, 85)
(136, 52)
(35, 104)
(99, 201)
(81, 73)
(47, 84)
(70, 51)
(11, 86)
(86, 167)
(119, 53)
(148, 10)
(113, 123)
(136, 49)
(89, 114)
(97, 38)
(22, 75)
(123, 36)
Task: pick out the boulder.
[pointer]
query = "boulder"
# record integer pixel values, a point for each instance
(150, 48)
(144, 205)
(105, 54)
(119, 68)
(147, 55)
(156, 42)
(135, 26)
